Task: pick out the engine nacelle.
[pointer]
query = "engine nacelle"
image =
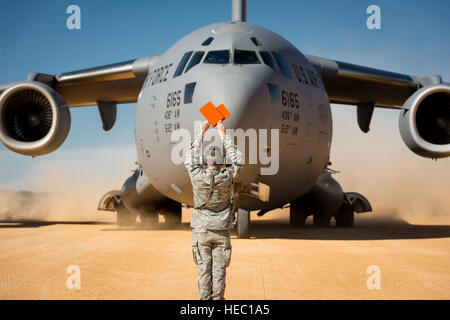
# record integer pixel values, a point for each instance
(425, 121)
(34, 119)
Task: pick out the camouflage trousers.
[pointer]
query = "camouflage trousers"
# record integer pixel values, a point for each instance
(211, 250)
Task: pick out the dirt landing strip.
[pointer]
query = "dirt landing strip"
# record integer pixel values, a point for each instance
(277, 263)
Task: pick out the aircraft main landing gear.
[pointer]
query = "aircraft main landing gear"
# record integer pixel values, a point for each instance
(172, 214)
(149, 220)
(125, 218)
(321, 221)
(297, 214)
(346, 216)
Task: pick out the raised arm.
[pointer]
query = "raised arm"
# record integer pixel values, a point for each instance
(233, 154)
(193, 161)
(232, 151)
(193, 156)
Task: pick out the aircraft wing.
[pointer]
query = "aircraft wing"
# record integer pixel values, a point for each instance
(34, 114)
(115, 83)
(424, 120)
(348, 83)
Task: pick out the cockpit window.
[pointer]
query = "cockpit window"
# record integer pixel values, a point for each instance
(196, 58)
(245, 57)
(218, 57)
(182, 64)
(208, 41)
(283, 66)
(256, 41)
(267, 58)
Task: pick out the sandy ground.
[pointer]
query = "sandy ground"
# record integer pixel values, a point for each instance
(278, 262)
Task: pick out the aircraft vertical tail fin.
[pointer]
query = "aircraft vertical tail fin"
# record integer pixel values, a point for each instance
(239, 10)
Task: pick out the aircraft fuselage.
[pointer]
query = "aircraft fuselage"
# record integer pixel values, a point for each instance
(287, 95)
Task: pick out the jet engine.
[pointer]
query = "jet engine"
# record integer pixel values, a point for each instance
(34, 119)
(425, 121)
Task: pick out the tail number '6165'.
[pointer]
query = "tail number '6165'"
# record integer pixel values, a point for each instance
(290, 99)
(173, 99)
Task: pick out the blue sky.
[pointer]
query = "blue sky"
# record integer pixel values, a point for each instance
(414, 39)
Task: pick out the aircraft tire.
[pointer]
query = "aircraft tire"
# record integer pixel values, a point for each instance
(297, 214)
(173, 216)
(323, 222)
(243, 223)
(346, 216)
(149, 219)
(125, 218)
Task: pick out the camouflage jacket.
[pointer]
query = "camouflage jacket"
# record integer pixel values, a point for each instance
(217, 213)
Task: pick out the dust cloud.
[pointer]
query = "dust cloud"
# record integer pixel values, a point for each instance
(66, 185)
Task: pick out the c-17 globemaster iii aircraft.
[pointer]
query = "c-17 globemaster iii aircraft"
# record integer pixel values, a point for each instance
(265, 83)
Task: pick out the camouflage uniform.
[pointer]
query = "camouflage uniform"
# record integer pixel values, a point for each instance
(212, 217)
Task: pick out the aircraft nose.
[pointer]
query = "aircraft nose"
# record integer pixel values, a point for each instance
(242, 95)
